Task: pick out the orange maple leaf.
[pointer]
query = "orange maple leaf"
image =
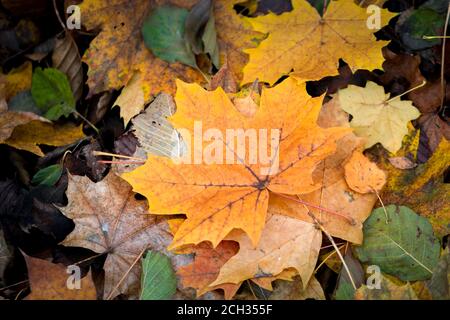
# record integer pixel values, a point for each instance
(217, 197)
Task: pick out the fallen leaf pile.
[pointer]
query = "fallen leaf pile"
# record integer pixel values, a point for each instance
(225, 149)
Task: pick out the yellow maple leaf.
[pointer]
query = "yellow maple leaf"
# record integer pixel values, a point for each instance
(375, 116)
(234, 34)
(311, 45)
(218, 197)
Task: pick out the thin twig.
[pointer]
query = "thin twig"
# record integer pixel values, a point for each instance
(58, 16)
(382, 204)
(330, 238)
(120, 162)
(13, 285)
(87, 121)
(101, 153)
(329, 256)
(443, 60)
(126, 274)
(406, 92)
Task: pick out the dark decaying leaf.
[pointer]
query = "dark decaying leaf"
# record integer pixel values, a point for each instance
(196, 21)
(66, 59)
(5, 256)
(200, 33)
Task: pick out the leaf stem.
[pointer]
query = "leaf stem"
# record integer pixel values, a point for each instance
(125, 274)
(101, 153)
(330, 238)
(435, 37)
(406, 92)
(87, 121)
(328, 256)
(382, 204)
(443, 59)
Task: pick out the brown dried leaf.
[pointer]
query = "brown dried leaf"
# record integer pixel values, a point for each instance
(109, 220)
(66, 59)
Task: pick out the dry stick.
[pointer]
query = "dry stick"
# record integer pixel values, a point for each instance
(58, 16)
(17, 296)
(126, 274)
(382, 204)
(101, 153)
(120, 162)
(330, 245)
(13, 285)
(435, 37)
(87, 121)
(89, 258)
(406, 92)
(329, 256)
(443, 60)
(349, 219)
(324, 7)
(251, 289)
(330, 238)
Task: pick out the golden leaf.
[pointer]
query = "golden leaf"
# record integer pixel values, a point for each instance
(30, 135)
(311, 45)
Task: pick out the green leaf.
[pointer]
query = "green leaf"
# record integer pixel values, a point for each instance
(48, 176)
(345, 291)
(52, 93)
(319, 5)
(404, 247)
(421, 22)
(158, 281)
(163, 33)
